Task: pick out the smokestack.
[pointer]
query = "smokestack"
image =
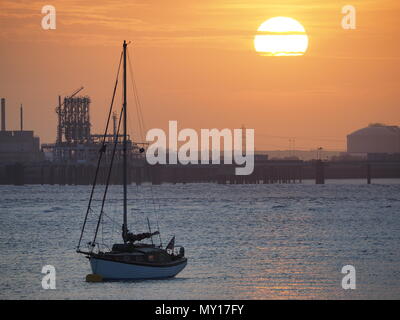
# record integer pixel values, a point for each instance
(22, 118)
(115, 124)
(59, 128)
(3, 114)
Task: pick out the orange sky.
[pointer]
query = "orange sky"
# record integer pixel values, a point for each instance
(194, 62)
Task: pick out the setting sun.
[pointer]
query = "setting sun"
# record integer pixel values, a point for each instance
(281, 36)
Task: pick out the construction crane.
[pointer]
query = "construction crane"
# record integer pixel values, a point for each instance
(58, 111)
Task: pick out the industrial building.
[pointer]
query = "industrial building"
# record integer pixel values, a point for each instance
(18, 146)
(375, 139)
(75, 144)
(73, 158)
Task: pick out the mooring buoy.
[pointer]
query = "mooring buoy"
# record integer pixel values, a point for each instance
(94, 278)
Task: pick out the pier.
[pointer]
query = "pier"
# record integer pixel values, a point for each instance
(265, 172)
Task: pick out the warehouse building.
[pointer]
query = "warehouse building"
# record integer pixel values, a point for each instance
(17, 146)
(375, 139)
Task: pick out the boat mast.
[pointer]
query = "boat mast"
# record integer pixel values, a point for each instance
(125, 223)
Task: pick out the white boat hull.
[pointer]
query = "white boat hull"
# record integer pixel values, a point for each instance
(112, 270)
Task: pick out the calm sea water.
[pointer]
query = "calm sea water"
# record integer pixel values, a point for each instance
(242, 241)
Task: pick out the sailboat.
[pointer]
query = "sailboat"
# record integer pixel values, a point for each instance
(131, 259)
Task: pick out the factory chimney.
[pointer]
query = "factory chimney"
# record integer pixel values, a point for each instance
(114, 116)
(22, 118)
(3, 114)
